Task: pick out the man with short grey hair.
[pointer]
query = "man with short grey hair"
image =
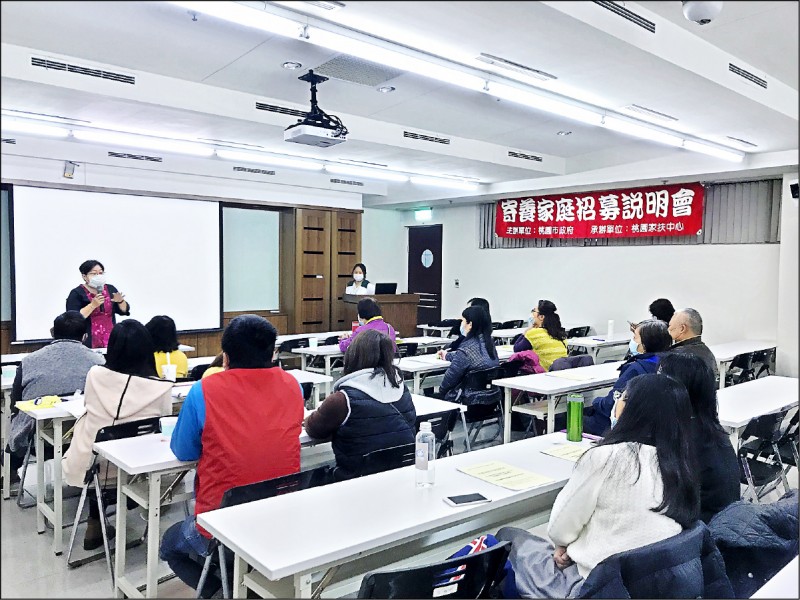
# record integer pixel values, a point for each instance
(686, 327)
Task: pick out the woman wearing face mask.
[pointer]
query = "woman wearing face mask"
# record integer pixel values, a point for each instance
(545, 335)
(649, 339)
(98, 302)
(359, 285)
(369, 317)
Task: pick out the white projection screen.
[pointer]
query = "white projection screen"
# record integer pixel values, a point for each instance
(162, 253)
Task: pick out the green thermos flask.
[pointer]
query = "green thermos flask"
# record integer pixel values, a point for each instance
(575, 417)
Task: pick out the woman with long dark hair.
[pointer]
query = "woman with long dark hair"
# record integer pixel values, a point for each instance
(370, 407)
(165, 339)
(125, 389)
(635, 487)
(545, 336)
(477, 351)
(718, 469)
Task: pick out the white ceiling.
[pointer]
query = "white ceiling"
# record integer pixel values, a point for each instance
(154, 37)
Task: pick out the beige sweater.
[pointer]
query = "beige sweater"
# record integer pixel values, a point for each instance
(144, 398)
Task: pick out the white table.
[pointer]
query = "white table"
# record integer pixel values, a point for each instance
(13, 359)
(329, 353)
(507, 335)
(556, 385)
(418, 366)
(387, 520)
(302, 336)
(316, 379)
(739, 404)
(424, 342)
(200, 360)
(783, 584)
(725, 353)
(434, 329)
(594, 343)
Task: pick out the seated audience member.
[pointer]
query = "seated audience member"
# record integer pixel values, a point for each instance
(369, 317)
(124, 389)
(214, 367)
(661, 309)
(545, 336)
(718, 467)
(242, 426)
(57, 369)
(686, 327)
(370, 408)
(456, 330)
(165, 337)
(649, 339)
(477, 351)
(634, 488)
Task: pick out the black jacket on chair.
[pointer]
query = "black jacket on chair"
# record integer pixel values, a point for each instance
(756, 540)
(687, 565)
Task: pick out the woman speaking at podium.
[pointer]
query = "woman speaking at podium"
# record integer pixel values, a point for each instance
(359, 285)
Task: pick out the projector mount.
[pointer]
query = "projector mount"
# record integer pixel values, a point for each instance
(316, 116)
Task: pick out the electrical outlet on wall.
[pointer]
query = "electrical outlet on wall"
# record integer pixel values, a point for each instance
(457, 283)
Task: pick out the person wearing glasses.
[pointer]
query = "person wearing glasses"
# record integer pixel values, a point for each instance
(99, 303)
(545, 335)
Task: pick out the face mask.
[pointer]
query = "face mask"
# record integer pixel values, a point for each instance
(613, 416)
(633, 347)
(530, 321)
(358, 277)
(463, 331)
(97, 281)
(361, 321)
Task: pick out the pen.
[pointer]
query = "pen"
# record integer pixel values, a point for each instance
(598, 339)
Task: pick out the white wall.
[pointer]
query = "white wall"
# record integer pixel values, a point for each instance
(787, 358)
(384, 246)
(735, 287)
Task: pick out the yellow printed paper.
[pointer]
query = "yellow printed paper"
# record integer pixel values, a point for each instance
(505, 475)
(39, 403)
(571, 374)
(567, 451)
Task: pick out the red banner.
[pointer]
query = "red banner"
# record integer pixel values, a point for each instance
(636, 212)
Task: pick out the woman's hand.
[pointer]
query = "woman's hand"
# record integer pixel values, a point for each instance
(442, 354)
(118, 298)
(561, 558)
(98, 300)
(344, 336)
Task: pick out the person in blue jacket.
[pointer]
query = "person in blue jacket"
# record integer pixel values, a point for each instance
(649, 339)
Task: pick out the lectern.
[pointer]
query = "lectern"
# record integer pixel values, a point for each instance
(399, 310)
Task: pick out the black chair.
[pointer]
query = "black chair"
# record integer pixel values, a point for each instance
(285, 349)
(196, 374)
(386, 459)
(763, 359)
(442, 425)
(789, 443)
(578, 332)
(515, 324)
(406, 349)
(740, 370)
(260, 490)
(453, 324)
(761, 464)
(308, 388)
(331, 340)
(490, 409)
(496, 325)
(111, 432)
(471, 576)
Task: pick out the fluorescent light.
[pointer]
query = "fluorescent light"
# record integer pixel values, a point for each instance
(364, 172)
(141, 141)
(243, 15)
(570, 111)
(32, 128)
(266, 159)
(423, 214)
(731, 155)
(446, 183)
(641, 131)
(391, 58)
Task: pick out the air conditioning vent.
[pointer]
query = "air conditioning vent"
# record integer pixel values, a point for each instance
(127, 156)
(283, 110)
(425, 138)
(256, 171)
(628, 15)
(510, 65)
(523, 156)
(742, 142)
(649, 112)
(329, 5)
(231, 144)
(357, 70)
(747, 75)
(364, 162)
(55, 65)
(9, 141)
(347, 182)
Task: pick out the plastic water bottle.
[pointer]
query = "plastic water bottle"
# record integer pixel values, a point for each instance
(610, 333)
(424, 455)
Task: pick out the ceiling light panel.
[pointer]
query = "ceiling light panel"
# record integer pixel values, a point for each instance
(243, 15)
(266, 159)
(113, 138)
(640, 131)
(32, 128)
(445, 183)
(365, 172)
(730, 155)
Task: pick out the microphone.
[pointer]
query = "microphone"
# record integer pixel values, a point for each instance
(103, 305)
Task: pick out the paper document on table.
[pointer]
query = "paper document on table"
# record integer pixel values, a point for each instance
(74, 407)
(571, 375)
(505, 475)
(567, 451)
(505, 348)
(181, 390)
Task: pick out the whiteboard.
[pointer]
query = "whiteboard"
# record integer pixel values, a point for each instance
(162, 253)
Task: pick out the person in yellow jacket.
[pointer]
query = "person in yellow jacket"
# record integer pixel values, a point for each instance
(545, 336)
(165, 339)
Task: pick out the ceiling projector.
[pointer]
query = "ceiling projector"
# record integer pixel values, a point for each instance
(317, 128)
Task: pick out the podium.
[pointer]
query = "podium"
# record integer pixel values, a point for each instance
(399, 310)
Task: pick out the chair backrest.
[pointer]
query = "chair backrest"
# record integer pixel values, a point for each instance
(471, 576)
(308, 387)
(510, 368)
(571, 362)
(514, 324)
(766, 428)
(742, 361)
(442, 423)
(128, 430)
(196, 374)
(447, 323)
(275, 487)
(385, 459)
(496, 325)
(578, 332)
(331, 340)
(406, 349)
(290, 345)
(481, 379)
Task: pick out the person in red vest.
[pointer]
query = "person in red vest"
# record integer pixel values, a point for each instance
(242, 426)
